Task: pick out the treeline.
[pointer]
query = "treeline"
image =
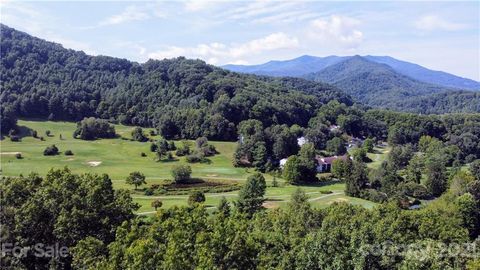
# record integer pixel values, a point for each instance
(461, 130)
(263, 147)
(96, 224)
(411, 173)
(443, 102)
(183, 98)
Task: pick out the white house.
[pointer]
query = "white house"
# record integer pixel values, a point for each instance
(283, 161)
(301, 141)
(333, 127)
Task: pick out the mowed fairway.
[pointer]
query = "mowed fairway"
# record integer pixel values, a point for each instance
(118, 157)
(378, 156)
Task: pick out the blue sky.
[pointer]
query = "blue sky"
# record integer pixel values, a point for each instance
(438, 35)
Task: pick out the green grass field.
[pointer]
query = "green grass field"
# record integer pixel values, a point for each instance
(378, 156)
(118, 158)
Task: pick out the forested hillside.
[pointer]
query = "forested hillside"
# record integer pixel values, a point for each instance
(184, 98)
(423, 74)
(380, 81)
(379, 85)
(307, 64)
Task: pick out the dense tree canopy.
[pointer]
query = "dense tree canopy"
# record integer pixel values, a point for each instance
(183, 98)
(297, 236)
(92, 128)
(61, 208)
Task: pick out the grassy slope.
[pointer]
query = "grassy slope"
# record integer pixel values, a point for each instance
(120, 157)
(378, 156)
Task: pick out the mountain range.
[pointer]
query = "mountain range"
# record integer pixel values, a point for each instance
(381, 81)
(306, 64)
(43, 79)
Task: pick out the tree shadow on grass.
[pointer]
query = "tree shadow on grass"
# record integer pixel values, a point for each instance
(206, 161)
(168, 160)
(319, 183)
(24, 131)
(274, 200)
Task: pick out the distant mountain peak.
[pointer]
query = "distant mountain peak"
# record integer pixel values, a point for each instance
(306, 64)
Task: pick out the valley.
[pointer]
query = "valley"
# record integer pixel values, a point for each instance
(118, 157)
(129, 142)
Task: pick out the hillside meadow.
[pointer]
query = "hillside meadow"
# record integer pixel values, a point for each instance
(120, 156)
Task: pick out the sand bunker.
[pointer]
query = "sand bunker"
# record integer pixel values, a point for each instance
(270, 205)
(10, 153)
(94, 163)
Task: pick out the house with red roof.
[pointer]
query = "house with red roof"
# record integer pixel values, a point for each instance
(324, 164)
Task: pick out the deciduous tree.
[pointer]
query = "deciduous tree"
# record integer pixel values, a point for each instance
(136, 178)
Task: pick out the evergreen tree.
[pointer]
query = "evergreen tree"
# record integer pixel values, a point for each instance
(250, 197)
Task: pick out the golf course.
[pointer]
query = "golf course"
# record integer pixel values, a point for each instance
(120, 156)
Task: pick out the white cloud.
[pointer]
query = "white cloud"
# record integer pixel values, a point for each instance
(433, 22)
(238, 62)
(217, 53)
(197, 5)
(271, 42)
(131, 13)
(337, 29)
